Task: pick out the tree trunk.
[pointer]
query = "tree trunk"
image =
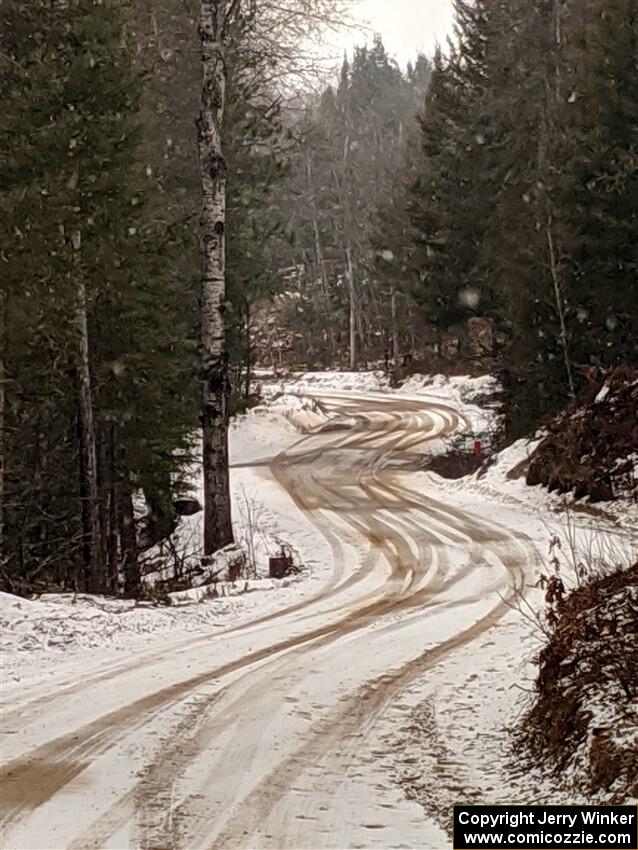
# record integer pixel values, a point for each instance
(347, 230)
(324, 286)
(321, 262)
(249, 352)
(107, 486)
(2, 415)
(558, 296)
(218, 529)
(552, 102)
(352, 310)
(394, 331)
(87, 433)
(113, 541)
(128, 540)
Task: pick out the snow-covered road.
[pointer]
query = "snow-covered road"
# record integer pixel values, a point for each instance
(265, 734)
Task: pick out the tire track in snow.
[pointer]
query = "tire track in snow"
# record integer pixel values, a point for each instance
(359, 493)
(367, 702)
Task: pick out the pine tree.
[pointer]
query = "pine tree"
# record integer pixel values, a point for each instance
(392, 236)
(549, 239)
(353, 144)
(600, 180)
(453, 198)
(522, 241)
(91, 243)
(257, 170)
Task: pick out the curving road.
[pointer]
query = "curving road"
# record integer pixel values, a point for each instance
(264, 736)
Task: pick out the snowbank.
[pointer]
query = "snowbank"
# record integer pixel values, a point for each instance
(61, 621)
(472, 397)
(304, 382)
(66, 621)
(456, 387)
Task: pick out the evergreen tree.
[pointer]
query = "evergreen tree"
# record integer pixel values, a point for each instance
(168, 53)
(522, 243)
(93, 242)
(453, 198)
(354, 137)
(527, 187)
(600, 180)
(257, 169)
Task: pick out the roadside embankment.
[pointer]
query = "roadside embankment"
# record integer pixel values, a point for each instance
(583, 724)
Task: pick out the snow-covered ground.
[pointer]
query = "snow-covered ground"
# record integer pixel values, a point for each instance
(450, 736)
(297, 713)
(51, 636)
(461, 392)
(504, 481)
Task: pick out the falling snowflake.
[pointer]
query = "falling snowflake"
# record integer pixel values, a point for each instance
(469, 297)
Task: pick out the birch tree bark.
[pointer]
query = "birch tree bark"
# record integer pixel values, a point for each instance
(95, 567)
(128, 537)
(218, 530)
(275, 30)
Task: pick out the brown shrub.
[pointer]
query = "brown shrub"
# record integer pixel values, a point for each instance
(588, 670)
(589, 448)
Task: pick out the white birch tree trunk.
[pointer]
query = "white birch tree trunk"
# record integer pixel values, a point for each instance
(218, 529)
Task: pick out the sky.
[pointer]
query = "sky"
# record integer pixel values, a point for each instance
(407, 26)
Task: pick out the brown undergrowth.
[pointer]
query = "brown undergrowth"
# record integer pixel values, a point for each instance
(583, 724)
(592, 447)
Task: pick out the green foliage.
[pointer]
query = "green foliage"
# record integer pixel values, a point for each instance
(71, 98)
(453, 197)
(526, 190)
(258, 147)
(601, 183)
